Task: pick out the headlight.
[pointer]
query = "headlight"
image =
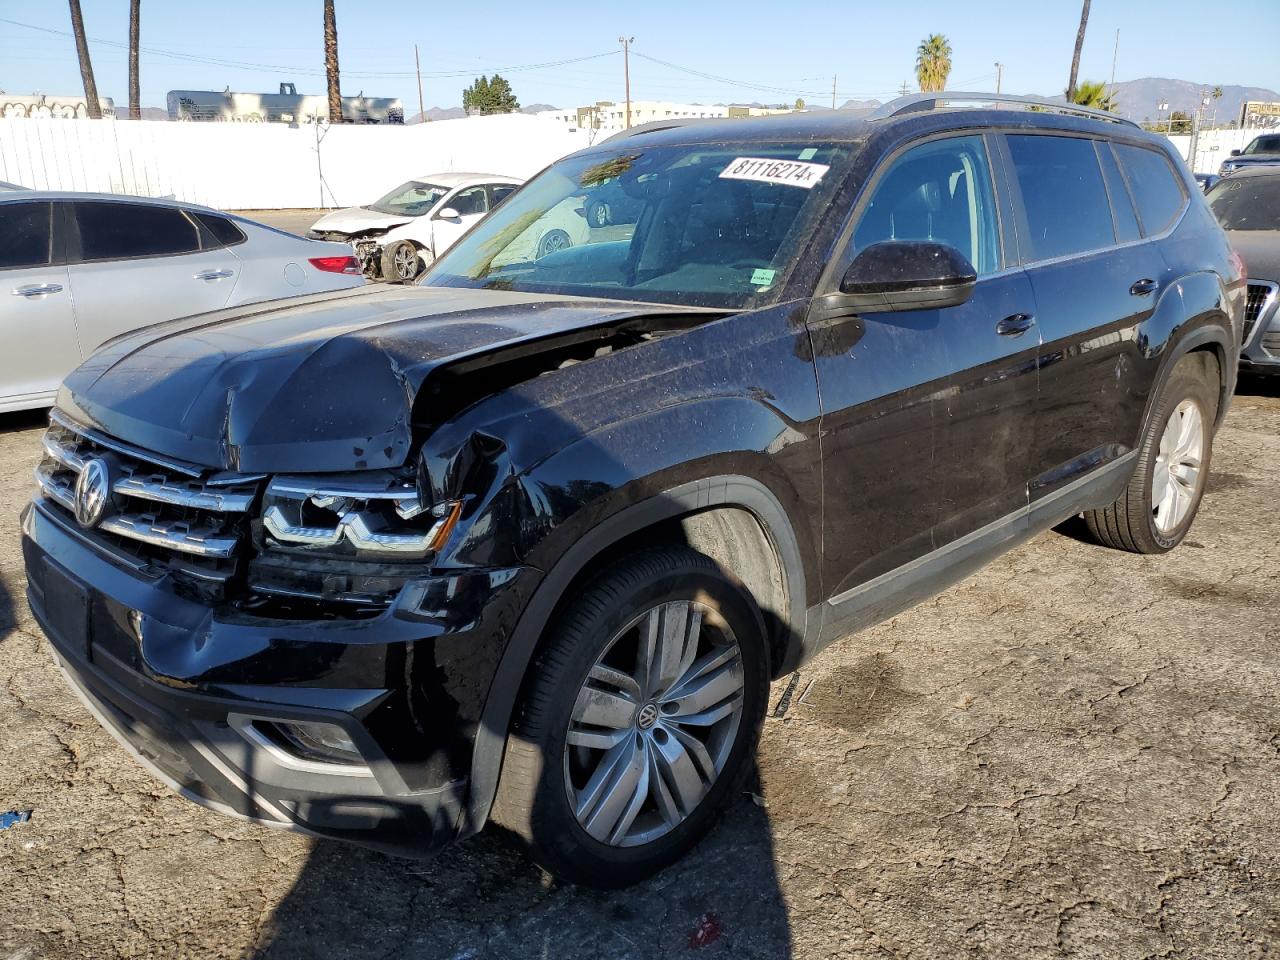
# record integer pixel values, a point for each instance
(378, 517)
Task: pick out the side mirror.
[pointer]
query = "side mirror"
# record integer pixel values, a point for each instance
(1235, 153)
(908, 275)
(448, 213)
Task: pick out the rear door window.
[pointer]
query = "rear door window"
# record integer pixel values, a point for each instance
(123, 231)
(1155, 187)
(1063, 195)
(500, 192)
(26, 234)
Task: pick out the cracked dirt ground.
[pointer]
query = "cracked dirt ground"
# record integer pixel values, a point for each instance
(1074, 753)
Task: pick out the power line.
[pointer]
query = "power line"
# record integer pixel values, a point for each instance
(283, 68)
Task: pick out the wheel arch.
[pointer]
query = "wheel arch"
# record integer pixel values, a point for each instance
(1205, 327)
(705, 514)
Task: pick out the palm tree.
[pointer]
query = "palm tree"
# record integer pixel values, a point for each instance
(1093, 93)
(135, 108)
(1075, 57)
(933, 63)
(86, 68)
(331, 62)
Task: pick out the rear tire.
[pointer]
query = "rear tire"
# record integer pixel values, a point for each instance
(1156, 510)
(587, 731)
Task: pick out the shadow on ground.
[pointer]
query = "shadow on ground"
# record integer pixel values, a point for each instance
(483, 899)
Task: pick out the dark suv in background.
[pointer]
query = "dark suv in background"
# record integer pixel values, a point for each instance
(529, 541)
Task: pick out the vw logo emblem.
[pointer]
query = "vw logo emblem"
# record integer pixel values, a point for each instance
(647, 716)
(93, 493)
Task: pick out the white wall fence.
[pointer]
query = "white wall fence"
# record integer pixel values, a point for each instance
(269, 166)
(244, 166)
(1214, 146)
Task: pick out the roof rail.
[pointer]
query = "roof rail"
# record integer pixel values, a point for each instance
(922, 102)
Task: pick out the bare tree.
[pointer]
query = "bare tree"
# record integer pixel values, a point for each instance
(331, 62)
(1075, 58)
(86, 68)
(135, 107)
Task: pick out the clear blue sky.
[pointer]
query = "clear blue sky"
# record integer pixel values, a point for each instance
(771, 51)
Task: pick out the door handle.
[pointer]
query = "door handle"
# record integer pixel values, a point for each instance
(37, 290)
(1141, 288)
(213, 275)
(1016, 325)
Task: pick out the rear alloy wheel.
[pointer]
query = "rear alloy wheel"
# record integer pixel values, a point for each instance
(599, 215)
(400, 262)
(1157, 509)
(639, 720)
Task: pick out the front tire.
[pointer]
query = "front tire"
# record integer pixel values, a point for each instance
(401, 262)
(638, 722)
(1155, 512)
(553, 241)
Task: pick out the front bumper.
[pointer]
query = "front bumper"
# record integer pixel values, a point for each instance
(1260, 351)
(193, 693)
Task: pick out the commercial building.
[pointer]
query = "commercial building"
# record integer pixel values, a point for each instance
(606, 117)
(68, 107)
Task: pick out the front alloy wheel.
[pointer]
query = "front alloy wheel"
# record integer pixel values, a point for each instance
(638, 720)
(653, 723)
(400, 262)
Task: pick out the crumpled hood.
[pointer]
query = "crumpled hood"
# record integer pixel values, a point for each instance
(1260, 250)
(357, 220)
(321, 383)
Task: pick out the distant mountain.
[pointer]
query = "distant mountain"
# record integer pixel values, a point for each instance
(538, 108)
(1140, 99)
(438, 113)
(150, 113)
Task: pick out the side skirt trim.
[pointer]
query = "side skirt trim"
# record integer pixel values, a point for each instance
(891, 593)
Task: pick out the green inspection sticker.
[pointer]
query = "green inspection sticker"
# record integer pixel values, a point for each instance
(762, 277)
(808, 153)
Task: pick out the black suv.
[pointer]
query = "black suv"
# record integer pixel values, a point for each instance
(529, 541)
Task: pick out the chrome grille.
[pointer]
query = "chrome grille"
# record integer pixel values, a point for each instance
(163, 512)
(1259, 299)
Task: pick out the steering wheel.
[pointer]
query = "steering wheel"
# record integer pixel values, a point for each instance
(753, 263)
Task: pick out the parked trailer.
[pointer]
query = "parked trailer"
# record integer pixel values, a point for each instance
(287, 106)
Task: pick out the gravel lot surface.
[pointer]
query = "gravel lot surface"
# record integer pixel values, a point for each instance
(1076, 752)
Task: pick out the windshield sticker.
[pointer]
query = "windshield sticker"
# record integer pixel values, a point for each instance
(791, 173)
(808, 153)
(762, 277)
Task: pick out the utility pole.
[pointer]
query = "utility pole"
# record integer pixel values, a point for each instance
(904, 89)
(999, 74)
(422, 111)
(626, 71)
(833, 91)
(1114, 54)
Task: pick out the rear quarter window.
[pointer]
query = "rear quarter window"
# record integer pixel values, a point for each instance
(223, 230)
(1155, 185)
(1063, 195)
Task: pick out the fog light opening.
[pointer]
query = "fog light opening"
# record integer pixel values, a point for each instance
(313, 740)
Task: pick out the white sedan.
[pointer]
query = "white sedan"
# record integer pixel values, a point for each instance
(399, 235)
(82, 268)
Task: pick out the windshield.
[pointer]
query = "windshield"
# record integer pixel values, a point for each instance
(709, 225)
(411, 199)
(1247, 203)
(1264, 145)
